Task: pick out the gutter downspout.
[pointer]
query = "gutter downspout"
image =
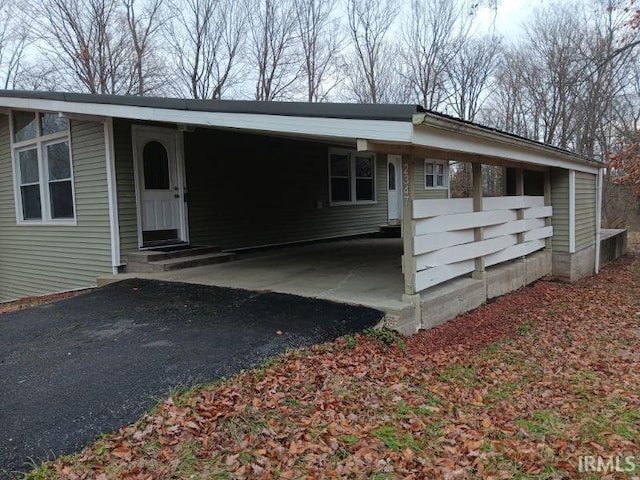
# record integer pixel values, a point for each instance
(598, 217)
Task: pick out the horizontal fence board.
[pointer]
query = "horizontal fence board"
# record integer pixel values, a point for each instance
(515, 251)
(538, 212)
(444, 246)
(538, 233)
(436, 241)
(463, 221)
(460, 253)
(434, 208)
(433, 276)
(518, 226)
(511, 202)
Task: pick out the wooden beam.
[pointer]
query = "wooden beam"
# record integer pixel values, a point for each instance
(364, 145)
(520, 192)
(547, 202)
(478, 232)
(407, 222)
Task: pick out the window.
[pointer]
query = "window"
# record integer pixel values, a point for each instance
(43, 173)
(435, 174)
(352, 177)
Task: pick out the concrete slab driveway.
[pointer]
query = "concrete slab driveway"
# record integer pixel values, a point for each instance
(80, 367)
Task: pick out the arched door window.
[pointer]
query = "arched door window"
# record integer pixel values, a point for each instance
(156, 166)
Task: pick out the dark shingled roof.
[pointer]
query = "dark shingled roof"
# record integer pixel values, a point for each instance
(401, 113)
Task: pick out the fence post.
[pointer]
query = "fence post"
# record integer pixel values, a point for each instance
(547, 202)
(407, 225)
(478, 232)
(520, 192)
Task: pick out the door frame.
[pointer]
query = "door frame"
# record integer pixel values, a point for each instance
(183, 214)
(396, 160)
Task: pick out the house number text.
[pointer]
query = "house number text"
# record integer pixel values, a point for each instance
(405, 183)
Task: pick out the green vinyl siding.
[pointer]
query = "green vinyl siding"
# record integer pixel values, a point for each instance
(585, 210)
(560, 203)
(40, 259)
(127, 209)
(250, 190)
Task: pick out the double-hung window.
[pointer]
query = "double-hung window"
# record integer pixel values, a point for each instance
(352, 177)
(43, 170)
(435, 174)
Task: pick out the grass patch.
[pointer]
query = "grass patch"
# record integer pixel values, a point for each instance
(393, 440)
(386, 337)
(459, 374)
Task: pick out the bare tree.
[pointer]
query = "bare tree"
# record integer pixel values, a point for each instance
(13, 40)
(469, 74)
(320, 42)
(273, 48)
(370, 76)
(144, 25)
(205, 41)
(82, 38)
(435, 33)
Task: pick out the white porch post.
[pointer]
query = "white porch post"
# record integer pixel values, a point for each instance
(598, 217)
(572, 211)
(408, 231)
(547, 203)
(520, 193)
(478, 232)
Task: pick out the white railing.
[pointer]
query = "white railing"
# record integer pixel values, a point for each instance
(444, 246)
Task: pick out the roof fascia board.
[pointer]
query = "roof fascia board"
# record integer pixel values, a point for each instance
(474, 140)
(313, 127)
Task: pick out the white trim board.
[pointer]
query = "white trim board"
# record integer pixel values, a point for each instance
(572, 211)
(494, 146)
(112, 191)
(311, 127)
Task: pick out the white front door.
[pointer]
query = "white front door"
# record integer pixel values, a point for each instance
(394, 165)
(160, 186)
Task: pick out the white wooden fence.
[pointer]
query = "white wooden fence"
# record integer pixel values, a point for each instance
(444, 246)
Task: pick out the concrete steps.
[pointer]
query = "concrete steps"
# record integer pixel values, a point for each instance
(151, 261)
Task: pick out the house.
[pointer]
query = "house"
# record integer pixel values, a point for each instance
(85, 180)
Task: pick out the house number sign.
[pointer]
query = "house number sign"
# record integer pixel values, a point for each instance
(405, 183)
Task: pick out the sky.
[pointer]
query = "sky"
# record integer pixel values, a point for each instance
(508, 18)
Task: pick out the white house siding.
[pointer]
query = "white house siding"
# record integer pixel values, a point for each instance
(585, 210)
(40, 259)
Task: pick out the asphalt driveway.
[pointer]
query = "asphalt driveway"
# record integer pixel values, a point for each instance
(77, 368)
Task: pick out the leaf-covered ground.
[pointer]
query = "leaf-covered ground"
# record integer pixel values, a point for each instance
(519, 388)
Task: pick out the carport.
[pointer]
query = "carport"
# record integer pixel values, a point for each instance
(359, 271)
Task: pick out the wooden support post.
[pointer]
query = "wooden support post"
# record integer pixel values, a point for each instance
(520, 192)
(547, 202)
(407, 225)
(478, 232)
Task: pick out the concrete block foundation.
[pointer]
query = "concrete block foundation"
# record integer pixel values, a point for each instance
(444, 302)
(574, 266)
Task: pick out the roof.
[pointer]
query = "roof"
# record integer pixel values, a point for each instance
(388, 112)
(390, 123)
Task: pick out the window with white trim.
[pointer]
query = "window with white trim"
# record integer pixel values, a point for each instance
(43, 170)
(352, 177)
(436, 174)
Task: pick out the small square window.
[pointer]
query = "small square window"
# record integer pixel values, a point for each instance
(53, 123)
(24, 126)
(435, 174)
